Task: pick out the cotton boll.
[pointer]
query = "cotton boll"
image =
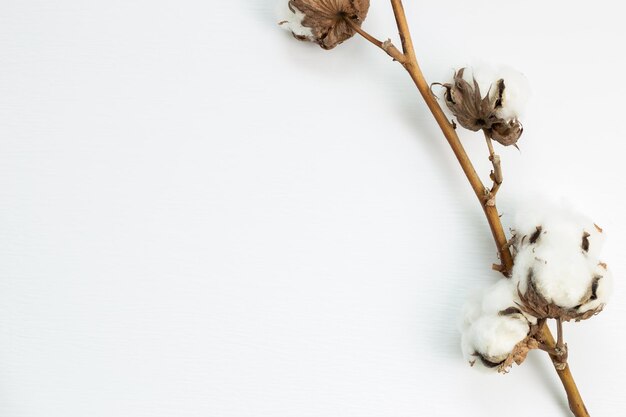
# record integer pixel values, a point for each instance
(557, 267)
(324, 22)
(516, 92)
(474, 99)
(291, 20)
(553, 258)
(492, 325)
(492, 338)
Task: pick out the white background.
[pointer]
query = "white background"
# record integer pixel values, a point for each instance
(201, 216)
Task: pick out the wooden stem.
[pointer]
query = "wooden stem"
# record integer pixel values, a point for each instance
(574, 398)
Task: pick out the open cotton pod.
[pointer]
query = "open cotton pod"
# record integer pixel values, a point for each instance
(557, 267)
(492, 107)
(495, 333)
(324, 21)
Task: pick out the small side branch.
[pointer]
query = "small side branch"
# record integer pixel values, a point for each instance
(496, 173)
(386, 46)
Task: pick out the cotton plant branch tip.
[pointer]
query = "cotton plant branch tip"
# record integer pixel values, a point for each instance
(490, 113)
(557, 272)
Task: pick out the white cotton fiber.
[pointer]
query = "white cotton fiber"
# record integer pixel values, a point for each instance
(516, 91)
(496, 336)
(557, 250)
(491, 325)
(292, 20)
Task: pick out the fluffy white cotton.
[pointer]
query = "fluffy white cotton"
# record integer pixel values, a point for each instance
(492, 338)
(471, 311)
(558, 250)
(292, 20)
(561, 216)
(562, 275)
(499, 296)
(516, 91)
(491, 325)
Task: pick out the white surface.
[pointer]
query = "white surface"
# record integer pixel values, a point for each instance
(201, 216)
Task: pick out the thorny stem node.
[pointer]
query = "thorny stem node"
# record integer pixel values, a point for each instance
(485, 196)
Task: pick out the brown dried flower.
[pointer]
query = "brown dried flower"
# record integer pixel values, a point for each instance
(327, 19)
(475, 112)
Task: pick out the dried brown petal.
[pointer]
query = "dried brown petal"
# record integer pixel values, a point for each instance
(465, 101)
(327, 18)
(506, 132)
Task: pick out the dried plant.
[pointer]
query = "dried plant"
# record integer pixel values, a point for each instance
(330, 22)
(550, 266)
(475, 112)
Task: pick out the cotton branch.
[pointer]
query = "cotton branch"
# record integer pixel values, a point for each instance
(409, 62)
